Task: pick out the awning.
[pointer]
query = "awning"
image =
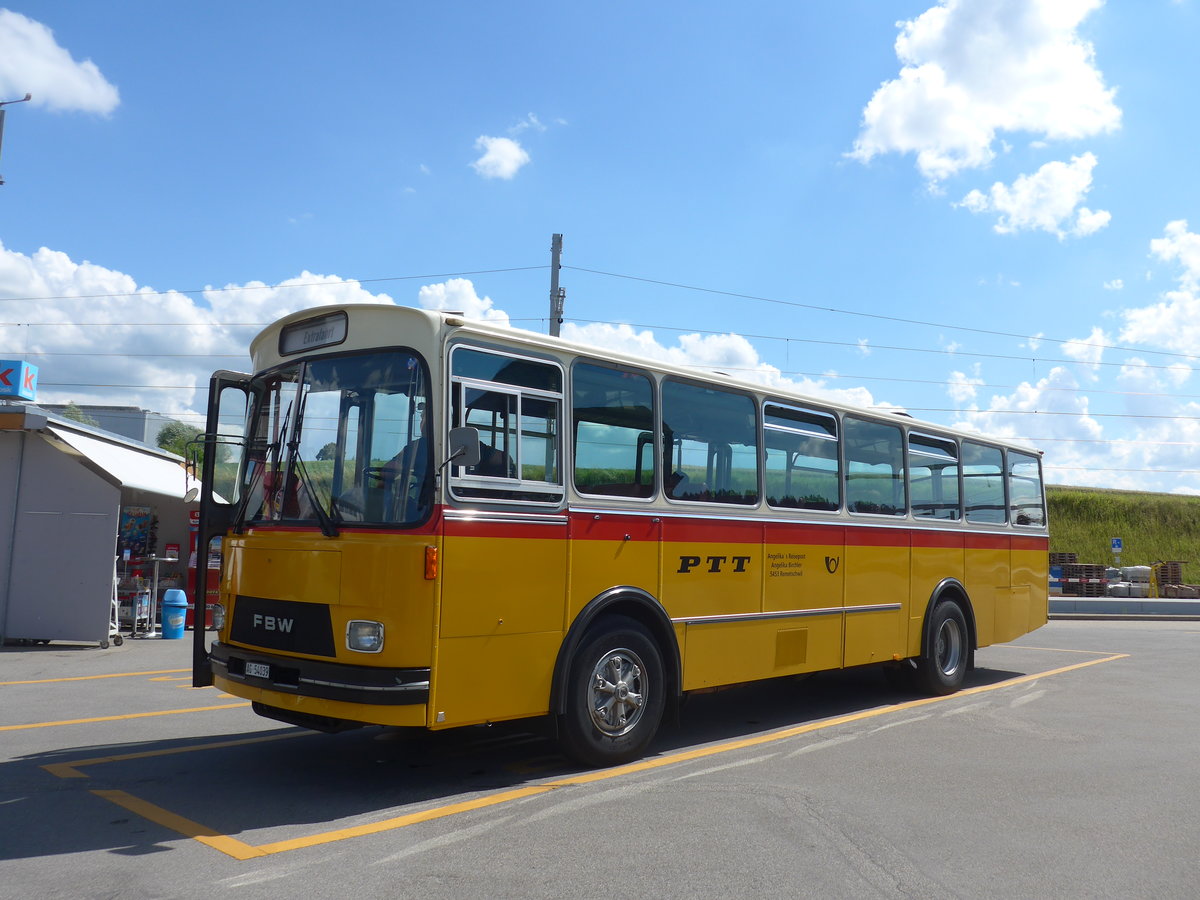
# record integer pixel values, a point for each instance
(133, 468)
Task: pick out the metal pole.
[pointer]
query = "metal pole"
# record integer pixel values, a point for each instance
(556, 294)
(3, 104)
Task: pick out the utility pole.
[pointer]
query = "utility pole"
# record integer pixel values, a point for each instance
(3, 104)
(558, 296)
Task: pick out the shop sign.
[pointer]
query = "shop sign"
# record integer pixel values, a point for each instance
(18, 379)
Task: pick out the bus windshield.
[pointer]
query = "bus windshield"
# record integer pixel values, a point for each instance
(341, 440)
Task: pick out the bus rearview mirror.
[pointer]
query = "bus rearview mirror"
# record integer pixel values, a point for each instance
(464, 446)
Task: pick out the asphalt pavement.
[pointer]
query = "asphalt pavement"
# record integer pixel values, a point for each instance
(1067, 768)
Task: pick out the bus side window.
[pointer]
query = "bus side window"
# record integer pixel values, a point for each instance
(515, 403)
(1025, 489)
(983, 484)
(800, 459)
(711, 438)
(614, 420)
(933, 477)
(874, 467)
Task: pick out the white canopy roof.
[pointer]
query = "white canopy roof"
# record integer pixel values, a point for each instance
(142, 470)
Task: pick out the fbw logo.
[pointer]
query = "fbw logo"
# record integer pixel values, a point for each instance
(273, 623)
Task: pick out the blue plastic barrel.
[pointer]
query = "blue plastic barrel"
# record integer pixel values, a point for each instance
(174, 613)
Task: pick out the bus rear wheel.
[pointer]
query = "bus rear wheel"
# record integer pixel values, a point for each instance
(615, 695)
(943, 666)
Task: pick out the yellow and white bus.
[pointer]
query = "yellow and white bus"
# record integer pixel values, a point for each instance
(432, 522)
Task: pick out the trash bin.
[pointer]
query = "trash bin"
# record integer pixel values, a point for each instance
(174, 612)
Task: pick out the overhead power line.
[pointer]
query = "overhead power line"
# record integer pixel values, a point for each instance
(267, 287)
(740, 295)
(878, 316)
(873, 347)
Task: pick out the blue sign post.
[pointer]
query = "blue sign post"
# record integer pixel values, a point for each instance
(18, 379)
(1117, 546)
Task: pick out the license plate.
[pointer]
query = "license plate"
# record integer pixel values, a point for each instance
(258, 670)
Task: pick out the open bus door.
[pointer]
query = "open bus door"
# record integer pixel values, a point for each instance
(229, 404)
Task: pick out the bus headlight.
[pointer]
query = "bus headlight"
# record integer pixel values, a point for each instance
(218, 616)
(364, 636)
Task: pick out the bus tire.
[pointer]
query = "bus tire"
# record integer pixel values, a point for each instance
(943, 666)
(615, 694)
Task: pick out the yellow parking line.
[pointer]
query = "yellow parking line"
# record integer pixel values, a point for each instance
(71, 769)
(205, 835)
(240, 850)
(92, 677)
(1061, 650)
(439, 812)
(145, 715)
(702, 752)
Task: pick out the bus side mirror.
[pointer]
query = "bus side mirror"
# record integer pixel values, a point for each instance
(464, 446)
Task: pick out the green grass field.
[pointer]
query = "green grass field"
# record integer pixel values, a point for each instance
(1153, 527)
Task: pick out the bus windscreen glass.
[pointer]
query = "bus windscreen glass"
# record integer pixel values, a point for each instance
(341, 441)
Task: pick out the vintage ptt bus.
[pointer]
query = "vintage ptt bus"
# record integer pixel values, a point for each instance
(432, 522)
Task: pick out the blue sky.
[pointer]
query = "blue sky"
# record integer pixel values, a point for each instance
(982, 211)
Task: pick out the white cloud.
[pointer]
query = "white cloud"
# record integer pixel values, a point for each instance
(33, 62)
(458, 295)
(1173, 323)
(1179, 373)
(1116, 284)
(972, 69)
(962, 387)
(1057, 412)
(1048, 200)
(1089, 351)
(502, 157)
(530, 121)
(731, 354)
(136, 346)
(1182, 246)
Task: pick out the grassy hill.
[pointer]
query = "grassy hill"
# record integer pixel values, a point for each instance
(1154, 527)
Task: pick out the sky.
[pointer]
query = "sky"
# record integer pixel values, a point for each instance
(983, 212)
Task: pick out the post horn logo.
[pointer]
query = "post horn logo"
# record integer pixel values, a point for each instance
(831, 564)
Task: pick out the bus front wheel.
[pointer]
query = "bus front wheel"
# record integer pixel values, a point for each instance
(615, 695)
(943, 666)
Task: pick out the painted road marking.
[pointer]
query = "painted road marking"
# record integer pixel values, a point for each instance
(92, 677)
(227, 845)
(71, 769)
(145, 715)
(241, 850)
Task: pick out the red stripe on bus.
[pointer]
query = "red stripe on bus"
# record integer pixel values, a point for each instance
(1031, 543)
(749, 531)
(797, 533)
(946, 540)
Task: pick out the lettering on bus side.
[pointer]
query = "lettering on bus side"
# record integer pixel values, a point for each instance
(712, 564)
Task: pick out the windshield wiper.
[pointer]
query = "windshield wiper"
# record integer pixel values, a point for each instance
(297, 464)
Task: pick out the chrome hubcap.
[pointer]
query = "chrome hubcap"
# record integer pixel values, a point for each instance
(617, 691)
(948, 650)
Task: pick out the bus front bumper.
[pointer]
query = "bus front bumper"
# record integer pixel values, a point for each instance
(289, 676)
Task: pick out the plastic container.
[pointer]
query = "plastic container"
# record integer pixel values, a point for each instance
(174, 614)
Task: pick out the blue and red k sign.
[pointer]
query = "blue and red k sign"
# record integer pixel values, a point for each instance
(18, 379)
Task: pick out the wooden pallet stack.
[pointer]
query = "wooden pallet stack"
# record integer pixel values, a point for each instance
(1083, 580)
